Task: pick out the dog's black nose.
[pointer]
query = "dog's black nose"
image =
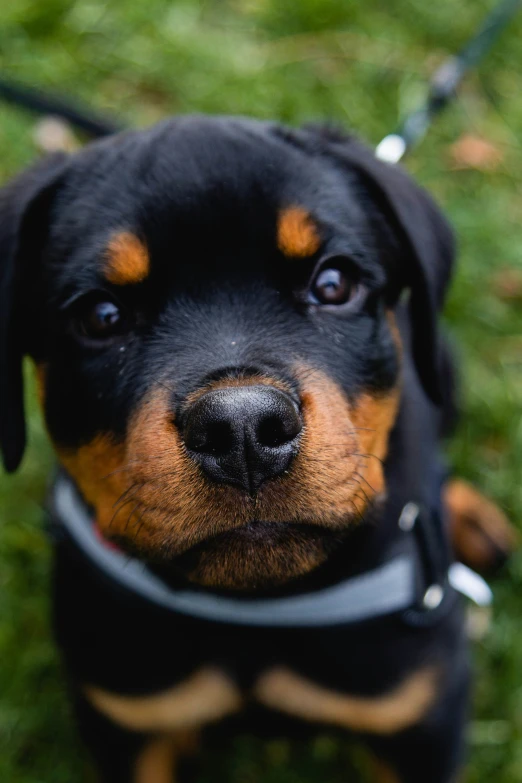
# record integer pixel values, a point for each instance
(243, 435)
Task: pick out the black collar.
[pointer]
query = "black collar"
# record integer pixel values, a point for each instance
(415, 579)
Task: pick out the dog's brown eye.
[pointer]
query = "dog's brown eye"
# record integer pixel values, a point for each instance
(102, 321)
(98, 319)
(332, 286)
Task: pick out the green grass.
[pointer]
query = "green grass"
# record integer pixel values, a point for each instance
(360, 64)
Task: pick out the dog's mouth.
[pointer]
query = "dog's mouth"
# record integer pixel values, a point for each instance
(158, 503)
(257, 555)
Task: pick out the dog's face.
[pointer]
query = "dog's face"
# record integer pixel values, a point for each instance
(210, 306)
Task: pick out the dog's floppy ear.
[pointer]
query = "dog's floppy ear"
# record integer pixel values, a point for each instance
(427, 240)
(24, 207)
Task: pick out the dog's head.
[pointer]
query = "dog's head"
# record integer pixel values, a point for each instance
(210, 307)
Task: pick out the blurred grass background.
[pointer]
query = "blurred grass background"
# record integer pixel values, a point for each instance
(363, 65)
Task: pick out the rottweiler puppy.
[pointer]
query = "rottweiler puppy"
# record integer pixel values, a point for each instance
(235, 331)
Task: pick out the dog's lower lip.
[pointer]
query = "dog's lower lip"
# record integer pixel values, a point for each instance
(260, 527)
(263, 531)
(248, 543)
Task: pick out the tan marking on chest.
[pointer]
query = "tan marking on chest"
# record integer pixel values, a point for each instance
(283, 690)
(297, 235)
(382, 773)
(206, 696)
(126, 259)
(157, 761)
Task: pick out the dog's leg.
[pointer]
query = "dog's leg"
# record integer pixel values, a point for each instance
(140, 739)
(156, 762)
(481, 534)
(114, 751)
(122, 756)
(160, 760)
(383, 773)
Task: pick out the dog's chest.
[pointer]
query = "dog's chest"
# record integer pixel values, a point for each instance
(298, 678)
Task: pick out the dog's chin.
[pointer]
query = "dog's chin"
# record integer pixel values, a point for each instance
(257, 556)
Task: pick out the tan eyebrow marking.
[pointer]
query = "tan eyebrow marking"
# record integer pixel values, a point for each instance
(297, 234)
(126, 259)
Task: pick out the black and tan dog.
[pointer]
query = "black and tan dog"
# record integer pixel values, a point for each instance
(243, 400)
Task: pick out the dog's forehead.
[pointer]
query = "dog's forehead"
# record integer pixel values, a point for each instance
(196, 162)
(196, 183)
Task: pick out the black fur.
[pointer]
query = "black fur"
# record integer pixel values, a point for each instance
(23, 217)
(204, 195)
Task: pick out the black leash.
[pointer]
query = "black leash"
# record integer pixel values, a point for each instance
(83, 119)
(445, 82)
(442, 89)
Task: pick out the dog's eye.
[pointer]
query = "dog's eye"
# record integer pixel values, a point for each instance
(103, 320)
(332, 285)
(96, 318)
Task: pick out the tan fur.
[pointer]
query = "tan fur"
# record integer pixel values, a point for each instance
(149, 493)
(208, 695)
(395, 332)
(41, 379)
(126, 260)
(297, 234)
(157, 762)
(375, 417)
(382, 773)
(480, 531)
(405, 705)
(96, 469)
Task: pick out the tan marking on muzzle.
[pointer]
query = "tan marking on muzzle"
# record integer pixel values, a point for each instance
(206, 696)
(288, 692)
(374, 417)
(343, 445)
(96, 468)
(151, 497)
(297, 234)
(126, 260)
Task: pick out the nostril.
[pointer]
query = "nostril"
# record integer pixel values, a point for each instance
(216, 437)
(220, 437)
(273, 430)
